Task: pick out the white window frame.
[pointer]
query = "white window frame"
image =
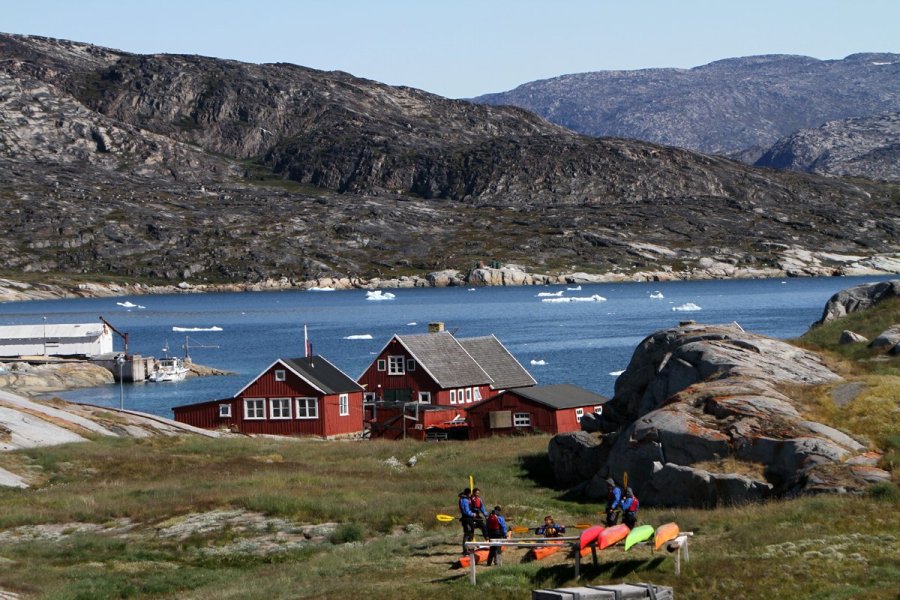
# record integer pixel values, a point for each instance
(522, 419)
(305, 413)
(225, 411)
(344, 405)
(460, 396)
(381, 365)
(410, 364)
(259, 405)
(424, 397)
(598, 410)
(579, 412)
(452, 396)
(396, 365)
(280, 375)
(477, 394)
(468, 395)
(369, 397)
(277, 409)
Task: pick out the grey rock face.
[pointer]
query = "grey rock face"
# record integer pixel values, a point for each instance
(674, 485)
(858, 298)
(574, 456)
(887, 339)
(864, 147)
(851, 337)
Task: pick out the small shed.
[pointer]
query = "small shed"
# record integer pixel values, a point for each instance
(549, 409)
(56, 339)
(292, 396)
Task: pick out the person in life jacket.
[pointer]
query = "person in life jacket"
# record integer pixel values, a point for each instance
(497, 530)
(477, 505)
(629, 508)
(613, 502)
(550, 528)
(467, 518)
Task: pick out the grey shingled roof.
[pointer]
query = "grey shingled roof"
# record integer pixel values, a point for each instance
(504, 370)
(561, 395)
(444, 359)
(323, 375)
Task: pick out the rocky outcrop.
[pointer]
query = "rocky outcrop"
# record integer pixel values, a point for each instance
(858, 298)
(887, 339)
(864, 147)
(24, 378)
(699, 401)
(851, 337)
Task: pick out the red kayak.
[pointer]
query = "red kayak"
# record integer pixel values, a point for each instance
(480, 556)
(541, 553)
(590, 534)
(611, 535)
(665, 533)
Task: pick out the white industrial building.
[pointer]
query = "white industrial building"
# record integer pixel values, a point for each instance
(55, 339)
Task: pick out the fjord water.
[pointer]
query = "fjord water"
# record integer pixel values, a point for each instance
(571, 342)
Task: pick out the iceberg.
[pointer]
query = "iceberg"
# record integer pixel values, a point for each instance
(359, 336)
(616, 373)
(550, 294)
(577, 288)
(688, 307)
(657, 295)
(413, 323)
(126, 304)
(538, 363)
(594, 298)
(471, 289)
(379, 295)
(191, 329)
(320, 289)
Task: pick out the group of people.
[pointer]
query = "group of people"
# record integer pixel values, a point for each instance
(620, 503)
(474, 516)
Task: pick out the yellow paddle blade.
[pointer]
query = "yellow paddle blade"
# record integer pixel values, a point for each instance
(519, 529)
(625, 480)
(582, 526)
(471, 482)
(444, 518)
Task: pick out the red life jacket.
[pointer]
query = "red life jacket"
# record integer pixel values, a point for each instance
(493, 523)
(477, 505)
(632, 508)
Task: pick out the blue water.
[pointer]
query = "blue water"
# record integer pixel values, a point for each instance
(580, 343)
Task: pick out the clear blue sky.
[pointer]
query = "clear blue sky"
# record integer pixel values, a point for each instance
(463, 48)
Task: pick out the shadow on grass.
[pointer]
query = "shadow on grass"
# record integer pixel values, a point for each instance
(537, 469)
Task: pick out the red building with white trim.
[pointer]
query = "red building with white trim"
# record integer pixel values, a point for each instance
(547, 409)
(292, 396)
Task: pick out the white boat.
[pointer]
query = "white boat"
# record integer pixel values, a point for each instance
(168, 368)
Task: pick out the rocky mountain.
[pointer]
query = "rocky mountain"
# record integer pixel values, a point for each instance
(865, 147)
(169, 168)
(735, 107)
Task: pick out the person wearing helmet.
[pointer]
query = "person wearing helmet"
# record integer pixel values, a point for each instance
(629, 508)
(613, 502)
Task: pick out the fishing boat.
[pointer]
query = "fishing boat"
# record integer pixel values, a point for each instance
(168, 368)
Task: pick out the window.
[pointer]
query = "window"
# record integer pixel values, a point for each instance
(579, 412)
(452, 396)
(307, 408)
(369, 398)
(395, 365)
(459, 396)
(468, 394)
(279, 408)
(344, 405)
(410, 364)
(224, 411)
(425, 397)
(382, 364)
(598, 410)
(254, 408)
(477, 394)
(280, 375)
(522, 420)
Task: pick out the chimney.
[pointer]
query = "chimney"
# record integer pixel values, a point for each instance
(435, 327)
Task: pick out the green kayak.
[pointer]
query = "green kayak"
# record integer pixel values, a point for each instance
(639, 534)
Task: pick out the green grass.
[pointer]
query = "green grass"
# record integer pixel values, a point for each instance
(387, 543)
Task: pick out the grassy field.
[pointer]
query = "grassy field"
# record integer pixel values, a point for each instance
(112, 503)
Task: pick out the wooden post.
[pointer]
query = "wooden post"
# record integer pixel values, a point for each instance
(686, 554)
(678, 561)
(577, 563)
(472, 564)
(594, 552)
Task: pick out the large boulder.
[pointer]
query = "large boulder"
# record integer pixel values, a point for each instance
(674, 485)
(858, 298)
(887, 339)
(575, 456)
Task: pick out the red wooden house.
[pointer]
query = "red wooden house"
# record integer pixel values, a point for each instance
(548, 409)
(293, 396)
(437, 368)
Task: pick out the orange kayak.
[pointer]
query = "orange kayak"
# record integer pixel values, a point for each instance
(480, 556)
(590, 534)
(665, 533)
(541, 553)
(611, 535)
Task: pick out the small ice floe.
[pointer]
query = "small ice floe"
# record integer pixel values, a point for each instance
(657, 295)
(413, 324)
(538, 363)
(359, 336)
(616, 373)
(594, 298)
(192, 329)
(379, 295)
(471, 289)
(577, 288)
(550, 294)
(320, 289)
(688, 307)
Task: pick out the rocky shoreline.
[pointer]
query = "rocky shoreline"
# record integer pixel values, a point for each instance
(794, 262)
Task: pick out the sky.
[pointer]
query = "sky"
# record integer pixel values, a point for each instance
(464, 48)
